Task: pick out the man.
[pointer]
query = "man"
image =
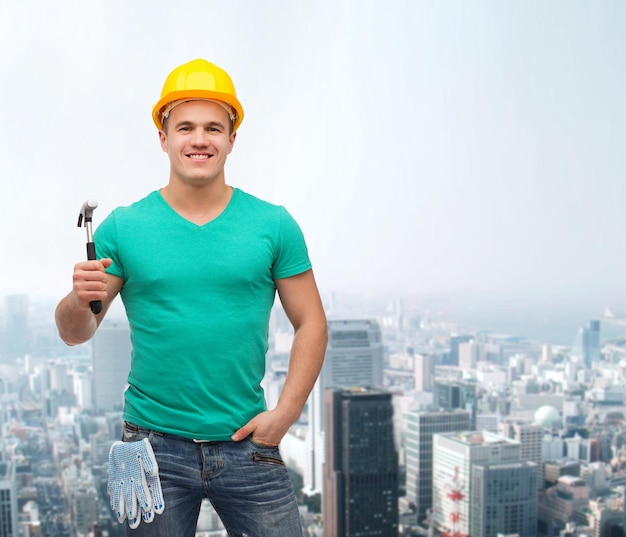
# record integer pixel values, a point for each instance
(197, 264)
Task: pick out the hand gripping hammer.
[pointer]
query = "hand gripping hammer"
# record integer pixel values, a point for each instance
(86, 214)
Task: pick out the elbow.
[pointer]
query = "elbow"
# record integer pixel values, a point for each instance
(324, 334)
(71, 340)
(314, 331)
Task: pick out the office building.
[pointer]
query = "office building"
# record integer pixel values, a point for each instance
(8, 500)
(469, 355)
(17, 330)
(58, 378)
(530, 437)
(554, 470)
(451, 394)
(504, 499)
(111, 363)
(361, 471)
(463, 461)
(354, 357)
(424, 372)
(591, 343)
(420, 428)
(84, 507)
(455, 341)
(563, 502)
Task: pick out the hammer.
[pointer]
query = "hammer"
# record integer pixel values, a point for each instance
(86, 214)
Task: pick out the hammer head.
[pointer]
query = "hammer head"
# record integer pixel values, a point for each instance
(86, 212)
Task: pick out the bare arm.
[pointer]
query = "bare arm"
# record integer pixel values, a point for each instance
(303, 306)
(75, 321)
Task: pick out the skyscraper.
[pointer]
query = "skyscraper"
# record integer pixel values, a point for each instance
(111, 363)
(361, 470)
(424, 372)
(354, 357)
(591, 343)
(421, 426)
(8, 500)
(481, 487)
(17, 339)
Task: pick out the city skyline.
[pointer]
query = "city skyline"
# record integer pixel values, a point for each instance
(540, 402)
(460, 149)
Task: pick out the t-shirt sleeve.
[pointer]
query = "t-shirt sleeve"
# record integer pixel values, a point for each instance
(293, 256)
(105, 239)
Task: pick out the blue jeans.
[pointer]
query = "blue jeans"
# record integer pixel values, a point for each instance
(246, 483)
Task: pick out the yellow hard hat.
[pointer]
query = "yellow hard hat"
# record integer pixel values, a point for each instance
(198, 79)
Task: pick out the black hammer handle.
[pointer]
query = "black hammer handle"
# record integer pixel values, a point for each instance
(95, 305)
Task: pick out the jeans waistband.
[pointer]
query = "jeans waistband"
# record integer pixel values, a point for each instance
(138, 429)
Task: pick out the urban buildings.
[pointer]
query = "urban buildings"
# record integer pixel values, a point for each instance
(563, 419)
(591, 343)
(111, 362)
(17, 333)
(529, 435)
(421, 426)
(451, 394)
(482, 487)
(354, 357)
(424, 372)
(360, 494)
(8, 499)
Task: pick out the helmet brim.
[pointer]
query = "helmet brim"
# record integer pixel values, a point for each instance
(197, 94)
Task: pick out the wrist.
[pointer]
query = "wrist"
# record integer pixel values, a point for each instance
(288, 412)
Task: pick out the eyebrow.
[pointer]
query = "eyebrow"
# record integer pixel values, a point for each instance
(189, 123)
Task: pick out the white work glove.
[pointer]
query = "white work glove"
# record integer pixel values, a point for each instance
(134, 486)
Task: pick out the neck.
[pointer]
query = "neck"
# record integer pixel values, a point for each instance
(198, 204)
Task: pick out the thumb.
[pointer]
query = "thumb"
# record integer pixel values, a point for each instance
(243, 432)
(106, 262)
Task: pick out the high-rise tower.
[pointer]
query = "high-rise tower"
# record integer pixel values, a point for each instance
(361, 470)
(17, 330)
(421, 426)
(424, 372)
(111, 363)
(354, 357)
(591, 343)
(8, 500)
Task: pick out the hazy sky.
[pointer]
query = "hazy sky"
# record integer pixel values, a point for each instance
(422, 146)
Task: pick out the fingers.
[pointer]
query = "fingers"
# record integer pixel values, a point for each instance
(90, 281)
(266, 428)
(149, 460)
(135, 494)
(154, 485)
(243, 432)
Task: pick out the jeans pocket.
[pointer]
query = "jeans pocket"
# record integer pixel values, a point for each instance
(272, 459)
(270, 454)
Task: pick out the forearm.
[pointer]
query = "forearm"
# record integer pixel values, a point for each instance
(75, 324)
(305, 363)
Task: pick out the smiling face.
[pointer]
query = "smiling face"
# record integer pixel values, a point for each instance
(197, 139)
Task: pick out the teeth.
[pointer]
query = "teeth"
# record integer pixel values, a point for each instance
(199, 156)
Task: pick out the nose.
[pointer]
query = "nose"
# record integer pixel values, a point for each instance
(199, 137)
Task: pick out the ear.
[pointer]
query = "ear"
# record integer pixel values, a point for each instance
(163, 140)
(231, 141)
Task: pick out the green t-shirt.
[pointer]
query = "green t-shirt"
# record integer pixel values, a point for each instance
(198, 300)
